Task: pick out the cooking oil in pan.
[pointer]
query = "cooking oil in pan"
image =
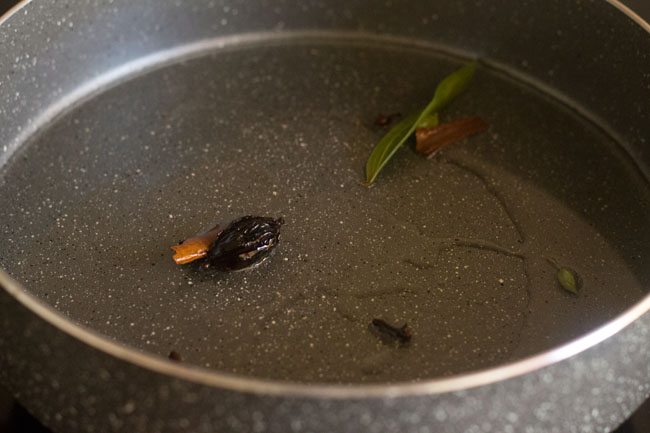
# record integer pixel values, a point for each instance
(457, 247)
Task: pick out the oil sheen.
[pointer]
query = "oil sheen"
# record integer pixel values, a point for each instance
(456, 246)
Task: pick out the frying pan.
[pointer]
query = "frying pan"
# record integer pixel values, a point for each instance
(128, 126)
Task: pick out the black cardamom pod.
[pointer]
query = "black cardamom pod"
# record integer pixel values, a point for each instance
(245, 243)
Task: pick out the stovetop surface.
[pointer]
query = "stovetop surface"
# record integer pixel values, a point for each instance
(15, 419)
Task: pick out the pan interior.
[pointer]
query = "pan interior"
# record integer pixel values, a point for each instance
(458, 246)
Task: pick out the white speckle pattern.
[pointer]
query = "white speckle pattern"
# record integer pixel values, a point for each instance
(84, 391)
(454, 247)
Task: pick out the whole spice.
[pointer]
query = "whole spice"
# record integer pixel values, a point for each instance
(569, 280)
(430, 140)
(245, 243)
(174, 356)
(196, 247)
(388, 332)
(447, 90)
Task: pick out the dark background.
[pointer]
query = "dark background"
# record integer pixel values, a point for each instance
(14, 419)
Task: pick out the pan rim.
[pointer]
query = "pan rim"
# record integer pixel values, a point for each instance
(13, 10)
(260, 386)
(216, 379)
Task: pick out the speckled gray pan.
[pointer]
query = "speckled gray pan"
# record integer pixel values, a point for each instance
(130, 125)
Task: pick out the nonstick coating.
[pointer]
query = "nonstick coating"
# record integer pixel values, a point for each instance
(58, 57)
(457, 247)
